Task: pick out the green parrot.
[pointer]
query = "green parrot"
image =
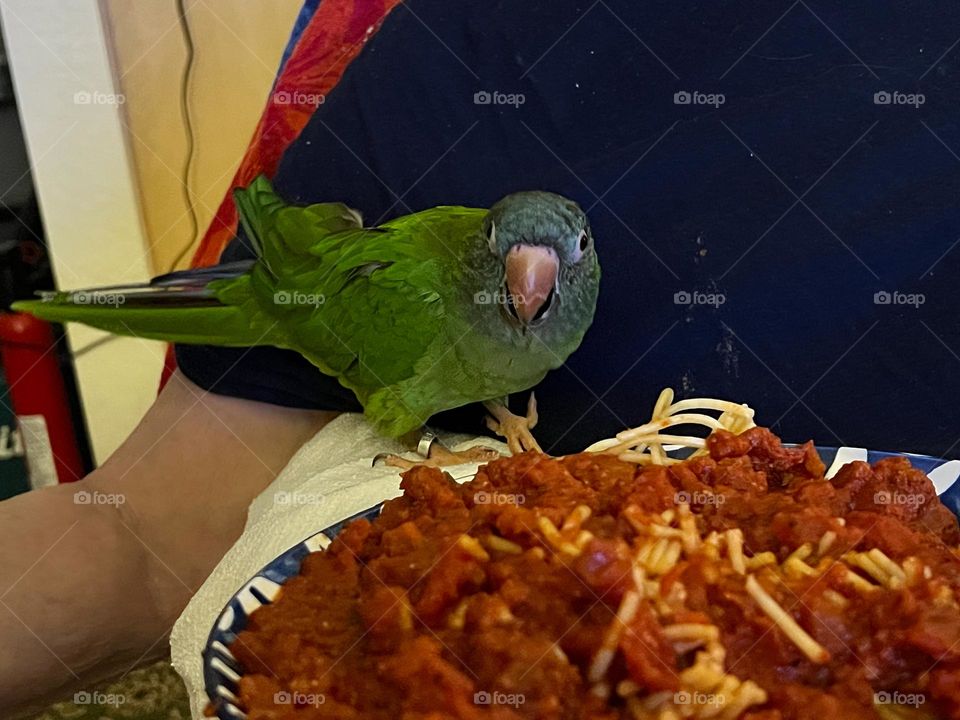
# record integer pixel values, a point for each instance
(424, 313)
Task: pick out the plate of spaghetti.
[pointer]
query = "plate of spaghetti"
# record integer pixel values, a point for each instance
(658, 575)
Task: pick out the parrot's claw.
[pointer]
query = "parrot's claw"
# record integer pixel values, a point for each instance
(384, 458)
(514, 428)
(440, 456)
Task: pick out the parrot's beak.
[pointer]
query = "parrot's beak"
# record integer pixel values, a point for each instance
(531, 279)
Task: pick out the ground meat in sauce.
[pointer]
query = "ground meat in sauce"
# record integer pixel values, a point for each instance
(399, 619)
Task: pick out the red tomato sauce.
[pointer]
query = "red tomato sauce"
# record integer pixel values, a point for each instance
(459, 601)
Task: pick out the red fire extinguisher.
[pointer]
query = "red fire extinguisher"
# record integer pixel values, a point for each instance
(38, 392)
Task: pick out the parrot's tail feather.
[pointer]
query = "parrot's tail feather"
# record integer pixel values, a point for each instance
(182, 284)
(183, 314)
(129, 294)
(204, 275)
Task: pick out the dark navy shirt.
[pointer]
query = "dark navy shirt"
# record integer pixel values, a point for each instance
(774, 189)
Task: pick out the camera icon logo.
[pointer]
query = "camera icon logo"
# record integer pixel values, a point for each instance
(682, 98)
(682, 297)
(281, 297)
(882, 297)
(882, 98)
(482, 97)
(482, 698)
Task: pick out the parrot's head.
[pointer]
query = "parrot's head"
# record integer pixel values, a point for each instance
(544, 244)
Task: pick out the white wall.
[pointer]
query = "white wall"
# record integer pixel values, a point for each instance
(238, 45)
(79, 154)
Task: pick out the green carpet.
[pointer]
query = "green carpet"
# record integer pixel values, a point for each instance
(154, 692)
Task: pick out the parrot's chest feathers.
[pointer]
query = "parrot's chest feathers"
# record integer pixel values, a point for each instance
(500, 352)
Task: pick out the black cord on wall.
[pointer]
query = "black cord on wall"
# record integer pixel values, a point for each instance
(188, 125)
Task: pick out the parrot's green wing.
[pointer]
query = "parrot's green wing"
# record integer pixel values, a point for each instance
(261, 208)
(364, 305)
(376, 331)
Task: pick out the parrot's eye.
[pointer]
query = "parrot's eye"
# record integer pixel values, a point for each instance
(583, 242)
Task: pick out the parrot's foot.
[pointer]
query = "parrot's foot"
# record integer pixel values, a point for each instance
(514, 428)
(440, 456)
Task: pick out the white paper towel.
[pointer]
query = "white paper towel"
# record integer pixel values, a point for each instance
(330, 478)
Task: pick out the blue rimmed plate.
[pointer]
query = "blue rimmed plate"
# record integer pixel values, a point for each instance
(221, 672)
